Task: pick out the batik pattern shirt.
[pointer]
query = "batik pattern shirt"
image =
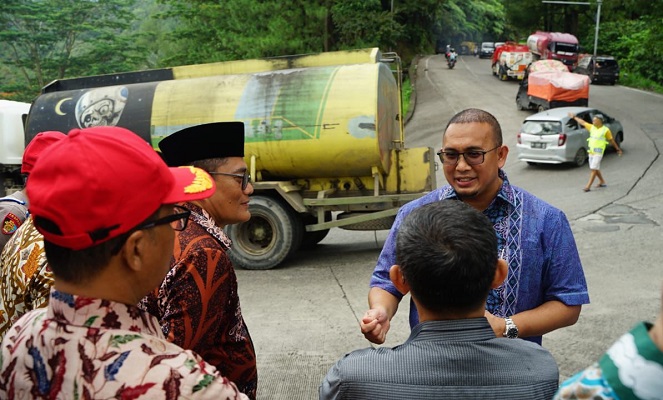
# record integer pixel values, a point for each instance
(534, 237)
(197, 303)
(631, 369)
(25, 279)
(86, 348)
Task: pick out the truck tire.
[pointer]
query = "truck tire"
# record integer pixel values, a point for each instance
(310, 239)
(272, 234)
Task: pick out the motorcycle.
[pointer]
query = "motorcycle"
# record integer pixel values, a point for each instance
(451, 61)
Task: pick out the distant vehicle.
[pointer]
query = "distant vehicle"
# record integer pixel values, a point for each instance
(552, 137)
(451, 59)
(604, 70)
(549, 84)
(510, 61)
(554, 46)
(486, 50)
(12, 115)
(467, 48)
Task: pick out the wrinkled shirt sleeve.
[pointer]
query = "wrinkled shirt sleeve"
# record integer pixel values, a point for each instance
(564, 278)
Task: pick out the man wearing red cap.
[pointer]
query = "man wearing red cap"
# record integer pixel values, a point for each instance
(14, 208)
(198, 304)
(25, 280)
(108, 220)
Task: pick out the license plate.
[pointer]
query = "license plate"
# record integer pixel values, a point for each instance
(538, 145)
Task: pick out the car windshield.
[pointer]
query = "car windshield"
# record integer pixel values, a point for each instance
(606, 63)
(542, 127)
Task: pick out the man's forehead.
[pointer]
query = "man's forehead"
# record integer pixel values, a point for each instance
(468, 134)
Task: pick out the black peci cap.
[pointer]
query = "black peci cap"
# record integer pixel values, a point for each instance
(200, 142)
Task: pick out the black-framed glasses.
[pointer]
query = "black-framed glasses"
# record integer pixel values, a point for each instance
(472, 157)
(178, 220)
(246, 177)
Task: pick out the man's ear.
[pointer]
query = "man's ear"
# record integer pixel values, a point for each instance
(134, 249)
(503, 152)
(500, 273)
(397, 278)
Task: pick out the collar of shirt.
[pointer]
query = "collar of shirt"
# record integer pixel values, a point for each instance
(505, 193)
(68, 309)
(454, 330)
(202, 218)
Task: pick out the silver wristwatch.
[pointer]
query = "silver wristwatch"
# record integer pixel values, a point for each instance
(511, 330)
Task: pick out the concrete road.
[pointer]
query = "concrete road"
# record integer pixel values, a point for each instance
(303, 316)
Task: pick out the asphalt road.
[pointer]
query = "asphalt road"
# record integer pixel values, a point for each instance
(303, 316)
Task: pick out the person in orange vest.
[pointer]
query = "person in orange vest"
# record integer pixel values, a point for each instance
(599, 136)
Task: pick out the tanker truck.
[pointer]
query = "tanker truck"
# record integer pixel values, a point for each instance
(324, 137)
(554, 46)
(12, 115)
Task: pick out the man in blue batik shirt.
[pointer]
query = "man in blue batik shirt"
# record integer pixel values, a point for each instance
(545, 287)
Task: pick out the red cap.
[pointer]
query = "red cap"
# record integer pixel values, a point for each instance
(36, 146)
(100, 182)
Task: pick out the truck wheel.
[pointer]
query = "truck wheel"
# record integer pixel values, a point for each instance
(519, 105)
(541, 108)
(310, 239)
(272, 234)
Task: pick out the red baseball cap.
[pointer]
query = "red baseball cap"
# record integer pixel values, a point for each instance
(32, 151)
(100, 182)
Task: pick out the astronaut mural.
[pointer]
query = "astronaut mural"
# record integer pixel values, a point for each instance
(101, 106)
(128, 106)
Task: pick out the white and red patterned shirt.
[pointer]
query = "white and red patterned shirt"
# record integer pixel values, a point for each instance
(83, 348)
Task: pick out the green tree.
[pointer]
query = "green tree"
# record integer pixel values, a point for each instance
(46, 40)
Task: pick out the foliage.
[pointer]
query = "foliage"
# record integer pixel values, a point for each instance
(42, 40)
(407, 94)
(629, 30)
(45, 40)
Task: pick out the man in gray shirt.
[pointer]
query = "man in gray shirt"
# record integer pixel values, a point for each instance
(447, 260)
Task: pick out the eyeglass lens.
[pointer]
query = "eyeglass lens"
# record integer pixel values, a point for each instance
(180, 223)
(452, 157)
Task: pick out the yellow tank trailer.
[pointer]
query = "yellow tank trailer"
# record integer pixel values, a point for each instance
(324, 137)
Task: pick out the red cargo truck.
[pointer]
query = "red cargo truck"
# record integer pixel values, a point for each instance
(554, 46)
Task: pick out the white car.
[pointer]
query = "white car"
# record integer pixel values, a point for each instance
(552, 137)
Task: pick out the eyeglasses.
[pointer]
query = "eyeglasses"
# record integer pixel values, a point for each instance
(246, 177)
(178, 220)
(473, 157)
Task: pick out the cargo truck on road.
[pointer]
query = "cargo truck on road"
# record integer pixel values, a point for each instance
(324, 137)
(554, 46)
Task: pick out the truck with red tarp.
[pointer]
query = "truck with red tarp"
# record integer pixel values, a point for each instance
(510, 61)
(548, 84)
(554, 46)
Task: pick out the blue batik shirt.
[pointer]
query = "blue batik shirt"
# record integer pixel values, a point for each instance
(533, 236)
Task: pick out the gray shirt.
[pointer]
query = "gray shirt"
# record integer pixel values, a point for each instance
(455, 359)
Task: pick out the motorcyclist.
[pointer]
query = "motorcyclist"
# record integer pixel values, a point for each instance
(451, 59)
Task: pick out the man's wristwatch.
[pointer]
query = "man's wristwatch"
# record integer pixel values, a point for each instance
(511, 330)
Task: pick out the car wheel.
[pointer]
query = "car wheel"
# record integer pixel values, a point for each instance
(533, 164)
(519, 106)
(580, 158)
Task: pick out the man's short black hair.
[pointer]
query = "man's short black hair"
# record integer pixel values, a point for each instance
(471, 115)
(447, 252)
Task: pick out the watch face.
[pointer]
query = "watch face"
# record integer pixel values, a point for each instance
(512, 333)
